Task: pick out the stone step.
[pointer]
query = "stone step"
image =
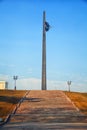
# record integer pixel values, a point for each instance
(49, 118)
(46, 110)
(46, 126)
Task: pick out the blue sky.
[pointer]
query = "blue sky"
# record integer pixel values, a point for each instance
(21, 43)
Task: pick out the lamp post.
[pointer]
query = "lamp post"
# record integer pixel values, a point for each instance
(69, 83)
(46, 28)
(15, 78)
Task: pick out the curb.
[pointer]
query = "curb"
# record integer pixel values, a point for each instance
(14, 110)
(72, 103)
(19, 103)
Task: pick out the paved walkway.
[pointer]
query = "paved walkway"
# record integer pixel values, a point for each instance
(46, 110)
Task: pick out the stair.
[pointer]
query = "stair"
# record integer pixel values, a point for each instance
(46, 110)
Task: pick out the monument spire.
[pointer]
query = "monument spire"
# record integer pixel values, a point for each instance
(45, 28)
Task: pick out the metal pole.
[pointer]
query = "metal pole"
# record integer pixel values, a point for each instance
(44, 54)
(15, 78)
(15, 84)
(69, 83)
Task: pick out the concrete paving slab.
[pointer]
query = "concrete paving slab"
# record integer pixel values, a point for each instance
(46, 110)
(47, 126)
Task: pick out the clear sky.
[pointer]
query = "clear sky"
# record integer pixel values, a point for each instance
(21, 43)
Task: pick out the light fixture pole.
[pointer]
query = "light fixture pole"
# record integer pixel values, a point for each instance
(46, 28)
(69, 83)
(15, 78)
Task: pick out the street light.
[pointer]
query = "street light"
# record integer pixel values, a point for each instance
(15, 78)
(69, 83)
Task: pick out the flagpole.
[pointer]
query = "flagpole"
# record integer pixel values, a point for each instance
(44, 87)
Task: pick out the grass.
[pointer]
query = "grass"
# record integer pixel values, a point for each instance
(8, 100)
(79, 99)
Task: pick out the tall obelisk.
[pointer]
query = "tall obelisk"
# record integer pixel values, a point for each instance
(44, 87)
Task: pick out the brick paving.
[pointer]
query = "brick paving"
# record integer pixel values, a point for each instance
(46, 110)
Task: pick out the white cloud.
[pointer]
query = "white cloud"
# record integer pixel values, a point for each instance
(35, 84)
(29, 71)
(4, 77)
(29, 83)
(58, 85)
(7, 65)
